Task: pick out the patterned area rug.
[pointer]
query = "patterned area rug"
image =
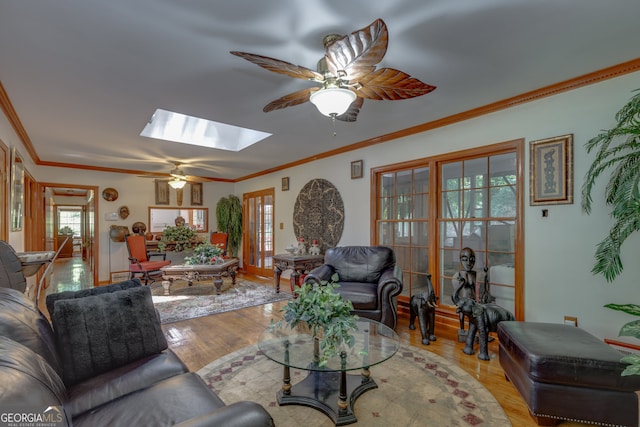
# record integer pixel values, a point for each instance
(415, 388)
(188, 302)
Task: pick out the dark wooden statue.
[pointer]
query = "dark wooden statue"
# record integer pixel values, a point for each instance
(423, 306)
(465, 286)
(483, 318)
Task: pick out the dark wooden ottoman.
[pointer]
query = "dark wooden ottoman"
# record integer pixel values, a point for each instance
(565, 373)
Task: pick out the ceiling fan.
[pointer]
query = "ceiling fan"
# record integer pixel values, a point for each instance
(178, 178)
(347, 75)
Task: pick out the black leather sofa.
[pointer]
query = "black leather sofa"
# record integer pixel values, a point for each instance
(564, 373)
(369, 278)
(118, 372)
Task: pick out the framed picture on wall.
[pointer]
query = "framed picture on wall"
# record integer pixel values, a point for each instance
(551, 171)
(196, 193)
(285, 183)
(356, 169)
(162, 192)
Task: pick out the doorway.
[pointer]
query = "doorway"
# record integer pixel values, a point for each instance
(72, 206)
(258, 232)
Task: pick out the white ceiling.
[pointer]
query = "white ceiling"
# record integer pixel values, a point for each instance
(84, 76)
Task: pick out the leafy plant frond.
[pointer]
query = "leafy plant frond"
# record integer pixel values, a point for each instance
(618, 153)
(633, 309)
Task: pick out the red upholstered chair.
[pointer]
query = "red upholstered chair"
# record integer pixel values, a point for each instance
(140, 263)
(220, 239)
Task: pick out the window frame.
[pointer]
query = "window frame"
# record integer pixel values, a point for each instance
(434, 164)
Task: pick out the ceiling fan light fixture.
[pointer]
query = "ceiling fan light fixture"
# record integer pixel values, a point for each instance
(332, 101)
(177, 183)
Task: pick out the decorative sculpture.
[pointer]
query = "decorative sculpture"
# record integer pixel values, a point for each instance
(483, 318)
(465, 286)
(423, 305)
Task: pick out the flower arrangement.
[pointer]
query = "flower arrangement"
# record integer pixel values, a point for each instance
(206, 253)
(65, 231)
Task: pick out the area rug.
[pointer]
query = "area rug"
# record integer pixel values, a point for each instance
(415, 388)
(188, 302)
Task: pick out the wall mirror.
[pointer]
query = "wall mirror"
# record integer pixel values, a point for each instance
(161, 217)
(17, 190)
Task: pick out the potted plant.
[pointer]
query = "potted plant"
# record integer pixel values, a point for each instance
(65, 231)
(631, 329)
(618, 155)
(229, 220)
(326, 315)
(205, 253)
(181, 235)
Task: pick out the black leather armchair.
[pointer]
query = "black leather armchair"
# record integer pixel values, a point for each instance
(369, 278)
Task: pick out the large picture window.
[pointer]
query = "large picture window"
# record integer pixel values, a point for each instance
(470, 199)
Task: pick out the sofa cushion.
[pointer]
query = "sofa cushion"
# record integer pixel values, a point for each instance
(102, 332)
(166, 403)
(29, 381)
(21, 321)
(360, 263)
(52, 298)
(113, 384)
(363, 296)
(563, 354)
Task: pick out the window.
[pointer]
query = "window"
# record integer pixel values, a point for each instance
(465, 199)
(70, 217)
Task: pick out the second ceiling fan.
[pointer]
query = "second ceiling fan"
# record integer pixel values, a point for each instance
(347, 75)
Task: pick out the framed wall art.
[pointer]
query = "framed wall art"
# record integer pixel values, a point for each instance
(285, 183)
(162, 192)
(17, 190)
(551, 171)
(196, 193)
(356, 169)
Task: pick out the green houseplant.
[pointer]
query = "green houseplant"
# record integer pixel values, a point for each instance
(617, 155)
(325, 313)
(65, 231)
(181, 235)
(229, 220)
(631, 329)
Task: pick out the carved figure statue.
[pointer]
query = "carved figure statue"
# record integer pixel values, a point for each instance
(423, 305)
(465, 285)
(483, 318)
(315, 248)
(302, 248)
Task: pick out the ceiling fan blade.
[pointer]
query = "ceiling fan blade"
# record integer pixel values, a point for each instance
(290, 100)
(391, 84)
(281, 67)
(352, 113)
(358, 53)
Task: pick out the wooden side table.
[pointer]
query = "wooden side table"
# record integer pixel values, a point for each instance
(300, 264)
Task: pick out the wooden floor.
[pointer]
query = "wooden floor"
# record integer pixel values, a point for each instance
(202, 340)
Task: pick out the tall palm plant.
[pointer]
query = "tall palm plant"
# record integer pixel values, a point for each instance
(618, 151)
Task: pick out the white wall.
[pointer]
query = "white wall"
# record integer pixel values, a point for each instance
(558, 249)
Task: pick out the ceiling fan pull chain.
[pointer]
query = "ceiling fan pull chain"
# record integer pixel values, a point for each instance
(333, 119)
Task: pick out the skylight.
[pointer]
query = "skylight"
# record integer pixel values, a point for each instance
(177, 127)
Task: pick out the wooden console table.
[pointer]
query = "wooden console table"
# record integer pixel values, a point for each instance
(192, 273)
(300, 264)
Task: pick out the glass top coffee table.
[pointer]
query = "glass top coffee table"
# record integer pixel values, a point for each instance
(329, 388)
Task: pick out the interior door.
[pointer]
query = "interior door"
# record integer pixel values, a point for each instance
(257, 232)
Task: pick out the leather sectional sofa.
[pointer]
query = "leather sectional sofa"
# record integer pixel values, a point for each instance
(117, 372)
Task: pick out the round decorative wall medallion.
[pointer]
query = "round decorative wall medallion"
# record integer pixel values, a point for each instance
(110, 194)
(123, 212)
(319, 214)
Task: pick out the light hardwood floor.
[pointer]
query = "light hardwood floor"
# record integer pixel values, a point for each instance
(202, 340)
